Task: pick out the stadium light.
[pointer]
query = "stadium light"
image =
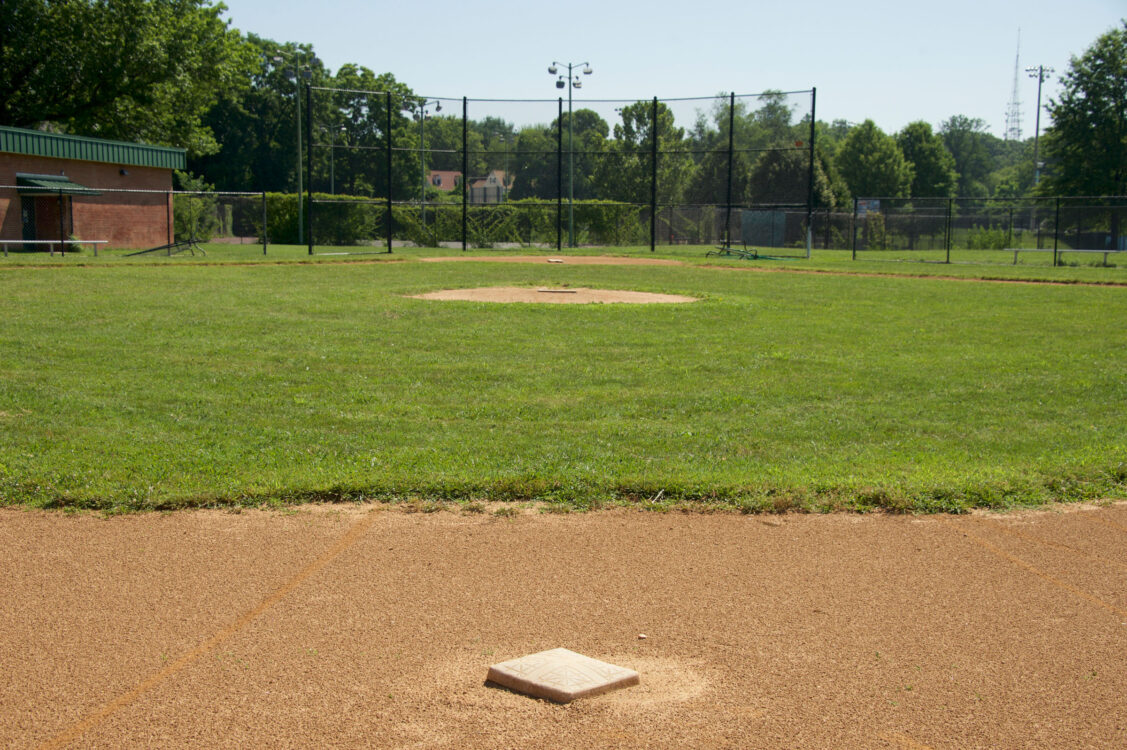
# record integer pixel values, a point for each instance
(1041, 73)
(421, 113)
(576, 83)
(293, 74)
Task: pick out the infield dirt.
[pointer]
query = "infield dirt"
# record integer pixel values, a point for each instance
(350, 626)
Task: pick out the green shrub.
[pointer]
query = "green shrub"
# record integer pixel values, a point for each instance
(988, 238)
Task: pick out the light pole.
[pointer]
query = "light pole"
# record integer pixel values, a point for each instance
(307, 75)
(1041, 73)
(333, 158)
(421, 115)
(505, 179)
(575, 83)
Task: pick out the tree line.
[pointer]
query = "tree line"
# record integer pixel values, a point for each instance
(173, 72)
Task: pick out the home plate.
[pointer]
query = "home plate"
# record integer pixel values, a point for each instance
(561, 675)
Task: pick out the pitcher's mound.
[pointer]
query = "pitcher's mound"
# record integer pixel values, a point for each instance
(552, 295)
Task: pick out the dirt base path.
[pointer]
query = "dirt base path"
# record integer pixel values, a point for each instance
(368, 627)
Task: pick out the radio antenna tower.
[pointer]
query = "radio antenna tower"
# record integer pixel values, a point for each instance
(1013, 112)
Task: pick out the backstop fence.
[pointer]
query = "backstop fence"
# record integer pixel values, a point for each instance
(381, 168)
(1055, 230)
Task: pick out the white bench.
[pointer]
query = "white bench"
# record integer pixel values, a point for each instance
(51, 244)
(1062, 251)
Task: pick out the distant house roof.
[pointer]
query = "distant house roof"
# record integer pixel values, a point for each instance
(496, 177)
(444, 179)
(81, 148)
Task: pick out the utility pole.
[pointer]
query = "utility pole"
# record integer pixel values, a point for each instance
(1041, 73)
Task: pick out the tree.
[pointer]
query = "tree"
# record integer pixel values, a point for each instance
(709, 142)
(933, 167)
(872, 164)
(1086, 145)
(626, 175)
(144, 70)
(967, 140)
(256, 124)
(783, 176)
(534, 163)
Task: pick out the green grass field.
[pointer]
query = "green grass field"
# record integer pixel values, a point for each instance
(172, 382)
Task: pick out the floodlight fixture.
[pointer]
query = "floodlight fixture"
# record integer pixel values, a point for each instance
(576, 83)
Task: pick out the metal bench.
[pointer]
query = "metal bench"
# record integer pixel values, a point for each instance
(51, 244)
(1059, 251)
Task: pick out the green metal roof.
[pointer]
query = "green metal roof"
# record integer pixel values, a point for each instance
(58, 146)
(38, 184)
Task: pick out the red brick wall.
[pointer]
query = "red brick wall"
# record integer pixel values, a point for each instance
(133, 220)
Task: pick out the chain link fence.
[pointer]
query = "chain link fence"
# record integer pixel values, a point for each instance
(384, 169)
(93, 219)
(1045, 230)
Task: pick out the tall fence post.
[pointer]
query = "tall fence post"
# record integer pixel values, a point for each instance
(853, 228)
(950, 233)
(62, 228)
(387, 135)
(653, 180)
(1056, 235)
(309, 164)
(559, 176)
(265, 223)
(810, 185)
(168, 215)
(731, 157)
(465, 170)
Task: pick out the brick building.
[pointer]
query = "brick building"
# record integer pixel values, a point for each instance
(56, 186)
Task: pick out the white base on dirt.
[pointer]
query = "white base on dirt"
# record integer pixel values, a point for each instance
(561, 675)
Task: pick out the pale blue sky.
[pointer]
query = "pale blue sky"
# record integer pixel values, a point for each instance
(893, 62)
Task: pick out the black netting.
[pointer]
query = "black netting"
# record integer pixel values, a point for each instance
(493, 173)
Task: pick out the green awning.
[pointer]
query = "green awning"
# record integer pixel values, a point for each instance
(50, 184)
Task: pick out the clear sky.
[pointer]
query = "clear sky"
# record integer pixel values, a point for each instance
(891, 61)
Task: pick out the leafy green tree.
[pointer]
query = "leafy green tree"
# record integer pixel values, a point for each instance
(770, 125)
(258, 128)
(872, 164)
(362, 140)
(256, 124)
(783, 176)
(626, 174)
(534, 163)
(443, 134)
(933, 167)
(143, 70)
(1086, 145)
(967, 140)
(709, 141)
(498, 139)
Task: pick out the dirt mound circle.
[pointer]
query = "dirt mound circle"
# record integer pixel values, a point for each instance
(553, 295)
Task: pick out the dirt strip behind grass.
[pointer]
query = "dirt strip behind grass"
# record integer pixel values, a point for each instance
(781, 631)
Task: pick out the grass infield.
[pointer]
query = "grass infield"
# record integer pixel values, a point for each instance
(174, 383)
